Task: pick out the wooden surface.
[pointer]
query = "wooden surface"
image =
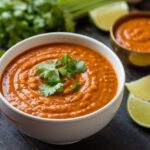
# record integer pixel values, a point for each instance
(120, 134)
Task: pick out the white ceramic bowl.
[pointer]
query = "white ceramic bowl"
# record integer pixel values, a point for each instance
(63, 131)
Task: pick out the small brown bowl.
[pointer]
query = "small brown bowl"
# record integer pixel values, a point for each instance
(129, 56)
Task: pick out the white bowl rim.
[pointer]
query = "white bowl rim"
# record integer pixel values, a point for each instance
(92, 114)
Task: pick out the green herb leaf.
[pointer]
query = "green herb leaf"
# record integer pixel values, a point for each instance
(65, 59)
(48, 90)
(66, 71)
(80, 66)
(49, 72)
(53, 82)
(75, 87)
(63, 71)
(1, 52)
(48, 65)
(71, 66)
(51, 75)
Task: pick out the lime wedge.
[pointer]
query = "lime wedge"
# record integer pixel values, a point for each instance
(140, 88)
(105, 16)
(140, 59)
(139, 110)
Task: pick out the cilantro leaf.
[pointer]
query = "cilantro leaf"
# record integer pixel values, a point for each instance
(65, 59)
(63, 71)
(53, 82)
(66, 71)
(71, 67)
(49, 72)
(80, 66)
(48, 65)
(51, 75)
(48, 90)
(75, 86)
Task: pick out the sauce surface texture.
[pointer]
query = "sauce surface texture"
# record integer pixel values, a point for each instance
(20, 83)
(134, 34)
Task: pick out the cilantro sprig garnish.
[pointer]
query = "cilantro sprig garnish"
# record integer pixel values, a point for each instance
(71, 66)
(54, 72)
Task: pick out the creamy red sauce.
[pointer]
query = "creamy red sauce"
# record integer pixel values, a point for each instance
(20, 83)
(134, 34)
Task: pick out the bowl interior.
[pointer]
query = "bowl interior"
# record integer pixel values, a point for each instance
(123, 19)
(61, 37)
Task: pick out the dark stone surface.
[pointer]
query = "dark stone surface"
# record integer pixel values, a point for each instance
(120, 134)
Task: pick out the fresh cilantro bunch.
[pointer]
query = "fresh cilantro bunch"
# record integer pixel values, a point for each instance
(20, 19)
(55, 71)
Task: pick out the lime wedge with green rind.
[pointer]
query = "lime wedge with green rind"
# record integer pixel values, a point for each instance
(140, 88)
(139, 110)
(105, 16)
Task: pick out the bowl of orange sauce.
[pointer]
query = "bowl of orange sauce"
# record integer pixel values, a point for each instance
(130, 37)
(66, 117)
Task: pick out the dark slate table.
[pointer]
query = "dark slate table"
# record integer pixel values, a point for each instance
(120, 134)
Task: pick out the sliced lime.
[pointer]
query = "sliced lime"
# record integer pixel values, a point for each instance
(140, 88)
(105, 16)
(140, 59)
(139, 110)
